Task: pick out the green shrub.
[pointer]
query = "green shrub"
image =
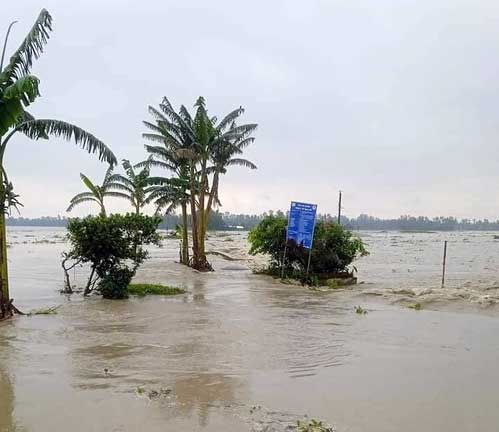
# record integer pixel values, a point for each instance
(114, 285)
(334, 248)
(154, 289)
(113, 247)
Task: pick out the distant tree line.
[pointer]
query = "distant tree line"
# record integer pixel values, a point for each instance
(366, 222)
(420, 223)
(230, 221)
(170, 221)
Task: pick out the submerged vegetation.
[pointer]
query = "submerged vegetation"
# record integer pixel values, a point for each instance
(334, 250)
(44, 311)
(113, 247)
(360, 310)
(312, 426)
(153, 289)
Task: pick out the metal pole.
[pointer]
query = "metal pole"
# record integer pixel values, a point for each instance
(339, 209)
(444, 262)
(284, 258)
(285, 247)
(308, 263)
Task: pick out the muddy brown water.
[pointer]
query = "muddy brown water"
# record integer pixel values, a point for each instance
(241, 352)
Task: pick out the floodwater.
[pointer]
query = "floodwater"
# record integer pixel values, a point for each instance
(243, 352)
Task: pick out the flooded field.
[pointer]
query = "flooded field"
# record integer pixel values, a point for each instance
(242, 352)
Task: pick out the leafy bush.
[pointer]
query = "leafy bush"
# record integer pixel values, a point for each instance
(112, 245)
(334, 248)
(114, 285)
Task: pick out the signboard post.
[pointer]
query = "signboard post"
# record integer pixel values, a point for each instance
(301, 226)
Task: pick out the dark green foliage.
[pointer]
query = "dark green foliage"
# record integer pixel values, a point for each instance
(334, 249)
(43, 128)
(269, 237)
(153, 289)
(114, 285)
(106, 241)
(312, 426)
(111, 244)
(360, 310)
(131, 186)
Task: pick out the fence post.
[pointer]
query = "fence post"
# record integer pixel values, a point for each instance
(444, 263)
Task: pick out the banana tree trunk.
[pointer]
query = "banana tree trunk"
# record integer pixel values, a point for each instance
(4, 276)
(185, 235)
(202, 230)
(211, 199)
(194, 221)
(203, 262)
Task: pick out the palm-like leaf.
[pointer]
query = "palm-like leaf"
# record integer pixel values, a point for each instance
(229, 119)
(241, 162)
(83, 195)
(116, 184)
(75, 202)
(156, 164)
(131, 186)
(94, 189)
(118, 195)
(31, 48)
(121, 180)
(25, 89)
(15, 97)
(41, 128)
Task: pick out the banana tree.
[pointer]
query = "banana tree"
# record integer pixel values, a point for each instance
(19, 89)
(97, 193)
(132, 186)
(216, 143)
(174, 133)
(206, 149)
(228, 143)
(167, 194)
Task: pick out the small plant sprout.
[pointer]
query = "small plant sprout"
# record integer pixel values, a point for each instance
(360, 310)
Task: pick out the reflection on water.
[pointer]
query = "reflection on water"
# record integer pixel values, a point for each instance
(6, 403)
(236, 340)
(196, 394)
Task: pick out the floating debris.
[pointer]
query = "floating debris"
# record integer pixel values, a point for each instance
(44, 311)
(360, 310)
(313, 426)
(153, 394)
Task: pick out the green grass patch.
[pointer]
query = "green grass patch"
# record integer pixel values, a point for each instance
(153, 289)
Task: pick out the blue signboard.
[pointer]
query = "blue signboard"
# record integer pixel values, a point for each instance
(301, 223)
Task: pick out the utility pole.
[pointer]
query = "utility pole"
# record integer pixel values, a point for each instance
(339, 209)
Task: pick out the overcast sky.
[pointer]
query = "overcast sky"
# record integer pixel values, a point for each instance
(395, 102)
